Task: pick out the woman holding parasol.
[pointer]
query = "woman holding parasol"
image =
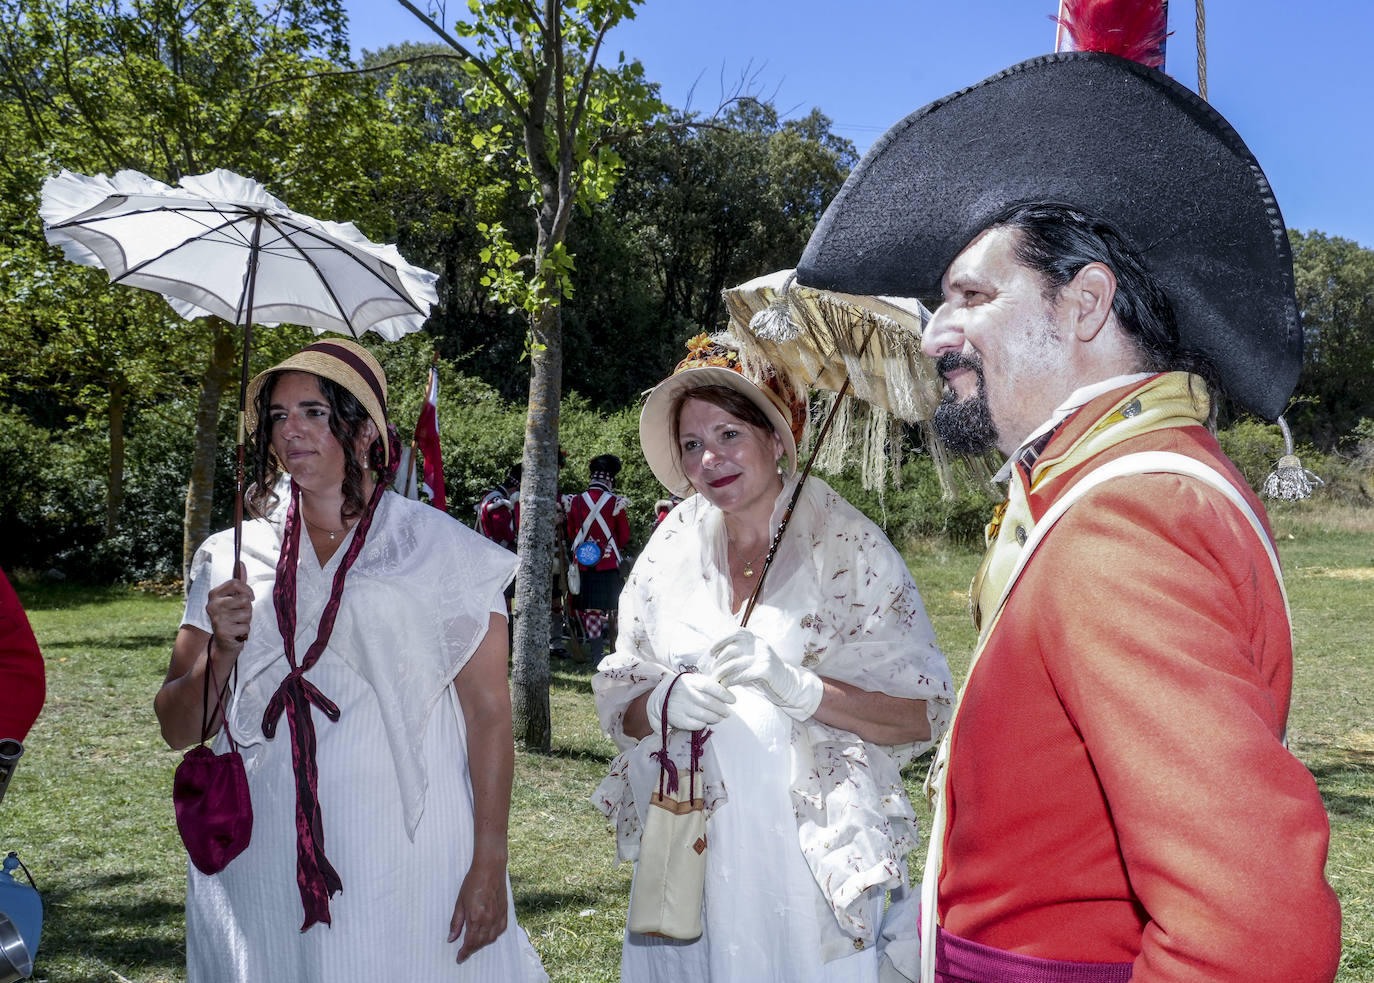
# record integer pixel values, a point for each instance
(813, 706)
(395, 611)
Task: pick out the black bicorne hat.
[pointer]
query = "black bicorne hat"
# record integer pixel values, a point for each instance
(1108, 137)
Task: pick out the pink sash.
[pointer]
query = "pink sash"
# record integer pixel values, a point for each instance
(961, 961)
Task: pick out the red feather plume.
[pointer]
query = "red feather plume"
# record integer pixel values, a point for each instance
(1133, 29)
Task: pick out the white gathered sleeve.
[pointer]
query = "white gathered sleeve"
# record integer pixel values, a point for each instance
(838, 600)
(632, 669)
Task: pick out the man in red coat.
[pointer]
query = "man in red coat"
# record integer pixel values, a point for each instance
(598, 529)
(1115, 799)
(22, 684)
(498, 511)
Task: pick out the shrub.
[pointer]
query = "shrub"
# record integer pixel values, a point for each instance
(40, 495)
(917, 509)
(1254, 446)
(54, 496)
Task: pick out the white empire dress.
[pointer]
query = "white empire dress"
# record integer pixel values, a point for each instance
(808, 826)
(394, 790)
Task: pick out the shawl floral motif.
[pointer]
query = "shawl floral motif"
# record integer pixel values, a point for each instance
(839, 594)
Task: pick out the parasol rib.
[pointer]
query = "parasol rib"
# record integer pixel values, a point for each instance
(305, 257)
(137, 267)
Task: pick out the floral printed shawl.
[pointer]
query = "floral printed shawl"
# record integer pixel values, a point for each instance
(838, 600)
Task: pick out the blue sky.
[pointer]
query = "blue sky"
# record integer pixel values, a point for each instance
(1291, 76)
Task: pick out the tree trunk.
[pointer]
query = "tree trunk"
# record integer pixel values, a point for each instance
(538, 512)
(114, 489)
(201, 487)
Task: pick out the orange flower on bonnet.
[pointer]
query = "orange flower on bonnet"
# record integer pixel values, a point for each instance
(704, 351)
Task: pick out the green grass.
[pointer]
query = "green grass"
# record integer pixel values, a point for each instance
(90, 807)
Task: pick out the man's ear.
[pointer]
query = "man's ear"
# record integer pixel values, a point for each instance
(1089, 296)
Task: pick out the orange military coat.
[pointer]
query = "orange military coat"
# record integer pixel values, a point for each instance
(1118, 786)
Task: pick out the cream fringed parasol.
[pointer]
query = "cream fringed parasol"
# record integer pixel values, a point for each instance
(819, 339)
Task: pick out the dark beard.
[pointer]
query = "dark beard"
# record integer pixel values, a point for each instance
(964, 426)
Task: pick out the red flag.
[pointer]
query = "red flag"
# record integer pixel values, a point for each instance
(427, 440)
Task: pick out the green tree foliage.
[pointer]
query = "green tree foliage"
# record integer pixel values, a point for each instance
(424, 147)
(1335, 287)
(703, 205)
(167, 87)
(453, 181)
(539, 66)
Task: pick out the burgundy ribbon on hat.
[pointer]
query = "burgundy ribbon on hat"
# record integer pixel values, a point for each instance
(315, 875)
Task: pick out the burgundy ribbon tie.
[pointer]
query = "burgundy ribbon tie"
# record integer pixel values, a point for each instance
(315, 875)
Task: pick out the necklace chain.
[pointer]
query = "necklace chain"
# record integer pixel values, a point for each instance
(748, 570)
(315, 525)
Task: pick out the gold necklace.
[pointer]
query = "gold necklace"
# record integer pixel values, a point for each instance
(332, 532)
(749, 564)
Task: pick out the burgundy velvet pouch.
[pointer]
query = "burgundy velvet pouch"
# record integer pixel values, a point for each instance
(210, 795)
(214, 813)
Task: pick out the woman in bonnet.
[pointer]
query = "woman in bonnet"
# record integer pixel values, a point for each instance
(812, 708)
(376, 626)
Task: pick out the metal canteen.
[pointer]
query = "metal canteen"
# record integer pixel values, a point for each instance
(15, 963)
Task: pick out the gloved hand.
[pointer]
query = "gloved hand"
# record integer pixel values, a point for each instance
(697, 701)
(746, 658)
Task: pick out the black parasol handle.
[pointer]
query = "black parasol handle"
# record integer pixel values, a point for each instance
(792, 503)
(796, 492)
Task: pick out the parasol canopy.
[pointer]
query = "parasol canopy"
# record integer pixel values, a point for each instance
(863, 350)
(822, 338)
(219, 244)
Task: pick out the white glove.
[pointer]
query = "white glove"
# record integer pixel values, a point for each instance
(746, 658)
(697, 701)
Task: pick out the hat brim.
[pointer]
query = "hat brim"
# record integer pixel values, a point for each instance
(327, 367)
(656, 431)
(1112, 138)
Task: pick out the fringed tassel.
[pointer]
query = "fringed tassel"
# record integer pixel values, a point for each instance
(665, 761)
(756, 364)
(866, 432)
(877, 452)
(774, 323)
(831, 455)
(1289, 480)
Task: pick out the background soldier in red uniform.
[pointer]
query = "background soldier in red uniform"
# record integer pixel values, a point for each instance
(496, 512)
(598, 530)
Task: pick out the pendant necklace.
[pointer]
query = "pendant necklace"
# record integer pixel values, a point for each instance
(332, 532)
(749, 564)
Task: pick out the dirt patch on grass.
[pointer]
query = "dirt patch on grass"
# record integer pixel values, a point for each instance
(1289, 517)
(1344, 573)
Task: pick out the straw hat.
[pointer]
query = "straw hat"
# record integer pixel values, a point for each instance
(709, 363)
(341, 361)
